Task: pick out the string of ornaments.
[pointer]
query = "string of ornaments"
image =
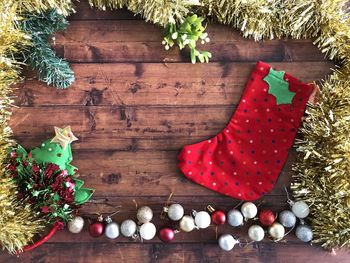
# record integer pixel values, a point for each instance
(265, 222)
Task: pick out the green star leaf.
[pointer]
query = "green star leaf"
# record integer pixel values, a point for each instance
(278, 87)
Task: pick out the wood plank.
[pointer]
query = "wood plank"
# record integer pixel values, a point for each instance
(146, 173)
(112, 41)
(176, 253)
(157, 84)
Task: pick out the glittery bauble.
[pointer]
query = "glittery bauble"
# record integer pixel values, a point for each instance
(287, 218)
(112, 230)
(276, 231)
(256, 233)
(300, 209)
(144, 214)
(128, 228)
(96, 229)
(266, 217)
(187, 224)
(304, 233)
(202, 219)
(249, 210)
(166, 234)
(76, 225)
(235, 217)
(227, 242)
(218, 217)
(148, 231)
(175, 212)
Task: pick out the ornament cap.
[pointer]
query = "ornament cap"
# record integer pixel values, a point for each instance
(210, 209)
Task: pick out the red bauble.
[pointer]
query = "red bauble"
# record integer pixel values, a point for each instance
(218, 217)
(267, 217)
(96, 229)
(166, 234)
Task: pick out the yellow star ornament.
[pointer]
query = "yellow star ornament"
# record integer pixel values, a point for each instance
(64, 136)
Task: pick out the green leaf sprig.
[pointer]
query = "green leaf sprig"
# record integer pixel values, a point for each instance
(187, 34)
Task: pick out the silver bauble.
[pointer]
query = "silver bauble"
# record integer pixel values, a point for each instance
(304, 233)
(144, 214)
(300, 209)
(128, 228)
(175, 212)
(112, 230)
(249, 210)
(256, 233)
(287, 218)
(76, 225)
(187, 224)
(227, 242)
(276, 231)
(235, 217)
(148, 231)
(202, 219)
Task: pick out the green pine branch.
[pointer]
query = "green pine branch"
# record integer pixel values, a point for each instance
(40, 56)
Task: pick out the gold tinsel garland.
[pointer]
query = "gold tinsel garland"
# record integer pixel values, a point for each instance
(18, 222)
(322, 170)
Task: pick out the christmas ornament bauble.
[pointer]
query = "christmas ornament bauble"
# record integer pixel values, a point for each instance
(276, 231)
(128, 228)
(144, 214)
(76, 225)
(148, 231)
(266, 217)
(249, 210)
(202, 219)
(175, 212)
(112, 230)
(96, 229)
(256, 233)
(187, 224)
(166, 234)
(304, 233)
(235, 217)
(287, 218)
(218, 217)
(300, 209)
(227, 242)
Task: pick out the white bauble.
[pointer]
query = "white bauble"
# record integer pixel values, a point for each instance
(187, 224)
(235, 217)
(304, 233)
(76, 225)
(128, 228)
(175, 212)
(144, 214)
(148, 231)
(256, 233)
(276, 231)
(202, 219)
(300, 209)
(112, 230)
(227, 242)
(249, 210)
(287, 218)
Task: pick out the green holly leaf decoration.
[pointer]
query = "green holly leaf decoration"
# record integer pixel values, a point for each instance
(78, 183)
(82, 195)
(278, 87)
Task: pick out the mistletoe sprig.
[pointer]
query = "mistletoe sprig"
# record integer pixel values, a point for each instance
(188, 33)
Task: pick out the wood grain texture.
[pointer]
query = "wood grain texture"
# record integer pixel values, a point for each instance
(133, 106)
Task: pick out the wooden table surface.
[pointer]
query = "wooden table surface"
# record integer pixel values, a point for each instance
(133, 106)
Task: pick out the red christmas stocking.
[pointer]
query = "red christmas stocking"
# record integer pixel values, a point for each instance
(244, 160)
